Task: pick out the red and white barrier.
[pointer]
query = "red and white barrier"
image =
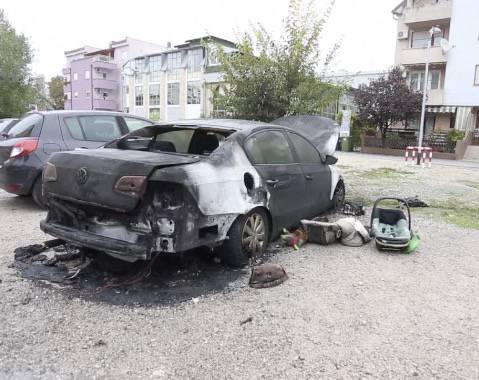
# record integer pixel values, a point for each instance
(424, 151)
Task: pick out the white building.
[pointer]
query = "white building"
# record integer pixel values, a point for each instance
(179, 83)
(453, 83)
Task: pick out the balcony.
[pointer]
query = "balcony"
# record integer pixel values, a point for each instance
(66, 70)
(105, 84)
(418, 56)
(104, 104)
(435, 97)
(103, 65)
(428, 12)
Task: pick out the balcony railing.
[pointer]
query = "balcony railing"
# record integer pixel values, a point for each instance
(428, 11)
(106, 84)
(104, 104)
(418, 56)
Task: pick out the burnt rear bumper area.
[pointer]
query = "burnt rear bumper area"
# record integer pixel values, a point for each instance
(94, 241)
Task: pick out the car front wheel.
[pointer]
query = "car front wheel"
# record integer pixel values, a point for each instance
(247, 238)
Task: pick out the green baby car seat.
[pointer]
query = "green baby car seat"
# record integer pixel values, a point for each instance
(390, 227)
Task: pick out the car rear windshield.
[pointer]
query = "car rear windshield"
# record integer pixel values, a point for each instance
(196, 141)
(26, 126)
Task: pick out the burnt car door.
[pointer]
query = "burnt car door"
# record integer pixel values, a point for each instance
(316, 174)
(271, 155)
(90, 131)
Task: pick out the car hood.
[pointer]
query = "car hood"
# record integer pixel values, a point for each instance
(103, 169)
(321, 131)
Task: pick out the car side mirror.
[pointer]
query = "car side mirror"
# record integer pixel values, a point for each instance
(330, 160)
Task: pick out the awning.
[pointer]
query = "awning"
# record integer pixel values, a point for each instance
(442, 109)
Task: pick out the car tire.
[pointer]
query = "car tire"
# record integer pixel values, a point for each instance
(37, 194)
(339, 196)
(236, 251)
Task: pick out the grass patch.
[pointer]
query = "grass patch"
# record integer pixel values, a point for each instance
(379, 173)
(459, 215)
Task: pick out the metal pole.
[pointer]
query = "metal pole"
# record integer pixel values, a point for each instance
(424, 99)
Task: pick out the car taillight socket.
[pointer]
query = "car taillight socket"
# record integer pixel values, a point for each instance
(133, 185)
(50, 173)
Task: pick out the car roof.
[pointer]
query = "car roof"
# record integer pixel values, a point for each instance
(89, 112)
(236, 124)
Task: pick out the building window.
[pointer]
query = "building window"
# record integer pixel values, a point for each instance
(126, 89)
(138, 78)
(420, 39)
(66, 78)
(416, 80)
(87, 74)
(155, 68)
(103, 75)
(138, 95)
(154, 114)
(87, 94)
(75, 76)
(213, 56)
(173, 65)
(173, 94)
(476, 76)
(154, 94)
(139, 64)
(67, 95)
(195, 60)
(194, 93)
(75, 94)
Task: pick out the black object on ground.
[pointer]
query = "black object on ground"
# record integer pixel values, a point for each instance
(353, 208)
(415, 202)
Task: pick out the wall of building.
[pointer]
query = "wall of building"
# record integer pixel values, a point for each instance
(80, 86)
(464, 55)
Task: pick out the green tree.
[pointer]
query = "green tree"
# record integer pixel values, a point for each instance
(270, 78)
(55, 92)
(15, 56)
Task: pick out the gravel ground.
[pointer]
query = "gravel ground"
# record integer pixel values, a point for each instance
(343, 313)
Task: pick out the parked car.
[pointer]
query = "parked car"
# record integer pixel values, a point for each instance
(39, 134)
(174, 187)
(5, 126)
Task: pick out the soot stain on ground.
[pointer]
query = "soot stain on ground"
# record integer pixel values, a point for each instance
(174, 279)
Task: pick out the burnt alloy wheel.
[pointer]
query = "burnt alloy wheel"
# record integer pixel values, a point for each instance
(254, 233)
(248, 238)
(339, 196)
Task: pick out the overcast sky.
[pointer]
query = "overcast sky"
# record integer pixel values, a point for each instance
(366, 27)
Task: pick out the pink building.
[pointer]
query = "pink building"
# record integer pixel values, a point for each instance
(92, 75)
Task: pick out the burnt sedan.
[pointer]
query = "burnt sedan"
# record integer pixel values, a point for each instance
(174, 187)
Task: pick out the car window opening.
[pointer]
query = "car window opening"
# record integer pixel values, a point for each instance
(191, 141)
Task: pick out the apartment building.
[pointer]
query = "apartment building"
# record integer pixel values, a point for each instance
(453, 80)
(92, 75)
(179, 83)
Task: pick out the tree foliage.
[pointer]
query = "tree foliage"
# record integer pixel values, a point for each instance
(386, 101)
(15, 56)
(55, 92)
(270, 78)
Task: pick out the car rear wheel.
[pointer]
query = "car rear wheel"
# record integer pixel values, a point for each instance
(248, 237)
(37, 194)
(339, 196)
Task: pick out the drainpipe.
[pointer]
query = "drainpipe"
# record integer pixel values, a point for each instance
(91, 85)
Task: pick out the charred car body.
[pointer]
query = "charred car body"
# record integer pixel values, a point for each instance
(174, 187)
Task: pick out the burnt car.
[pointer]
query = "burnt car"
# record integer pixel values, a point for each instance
(174, 187)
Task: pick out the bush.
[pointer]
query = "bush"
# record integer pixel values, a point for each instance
(455, 135)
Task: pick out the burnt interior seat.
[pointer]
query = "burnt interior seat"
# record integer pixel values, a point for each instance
(203, 143)
(165, 146)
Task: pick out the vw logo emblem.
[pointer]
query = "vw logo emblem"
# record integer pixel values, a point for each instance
(82, 176)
